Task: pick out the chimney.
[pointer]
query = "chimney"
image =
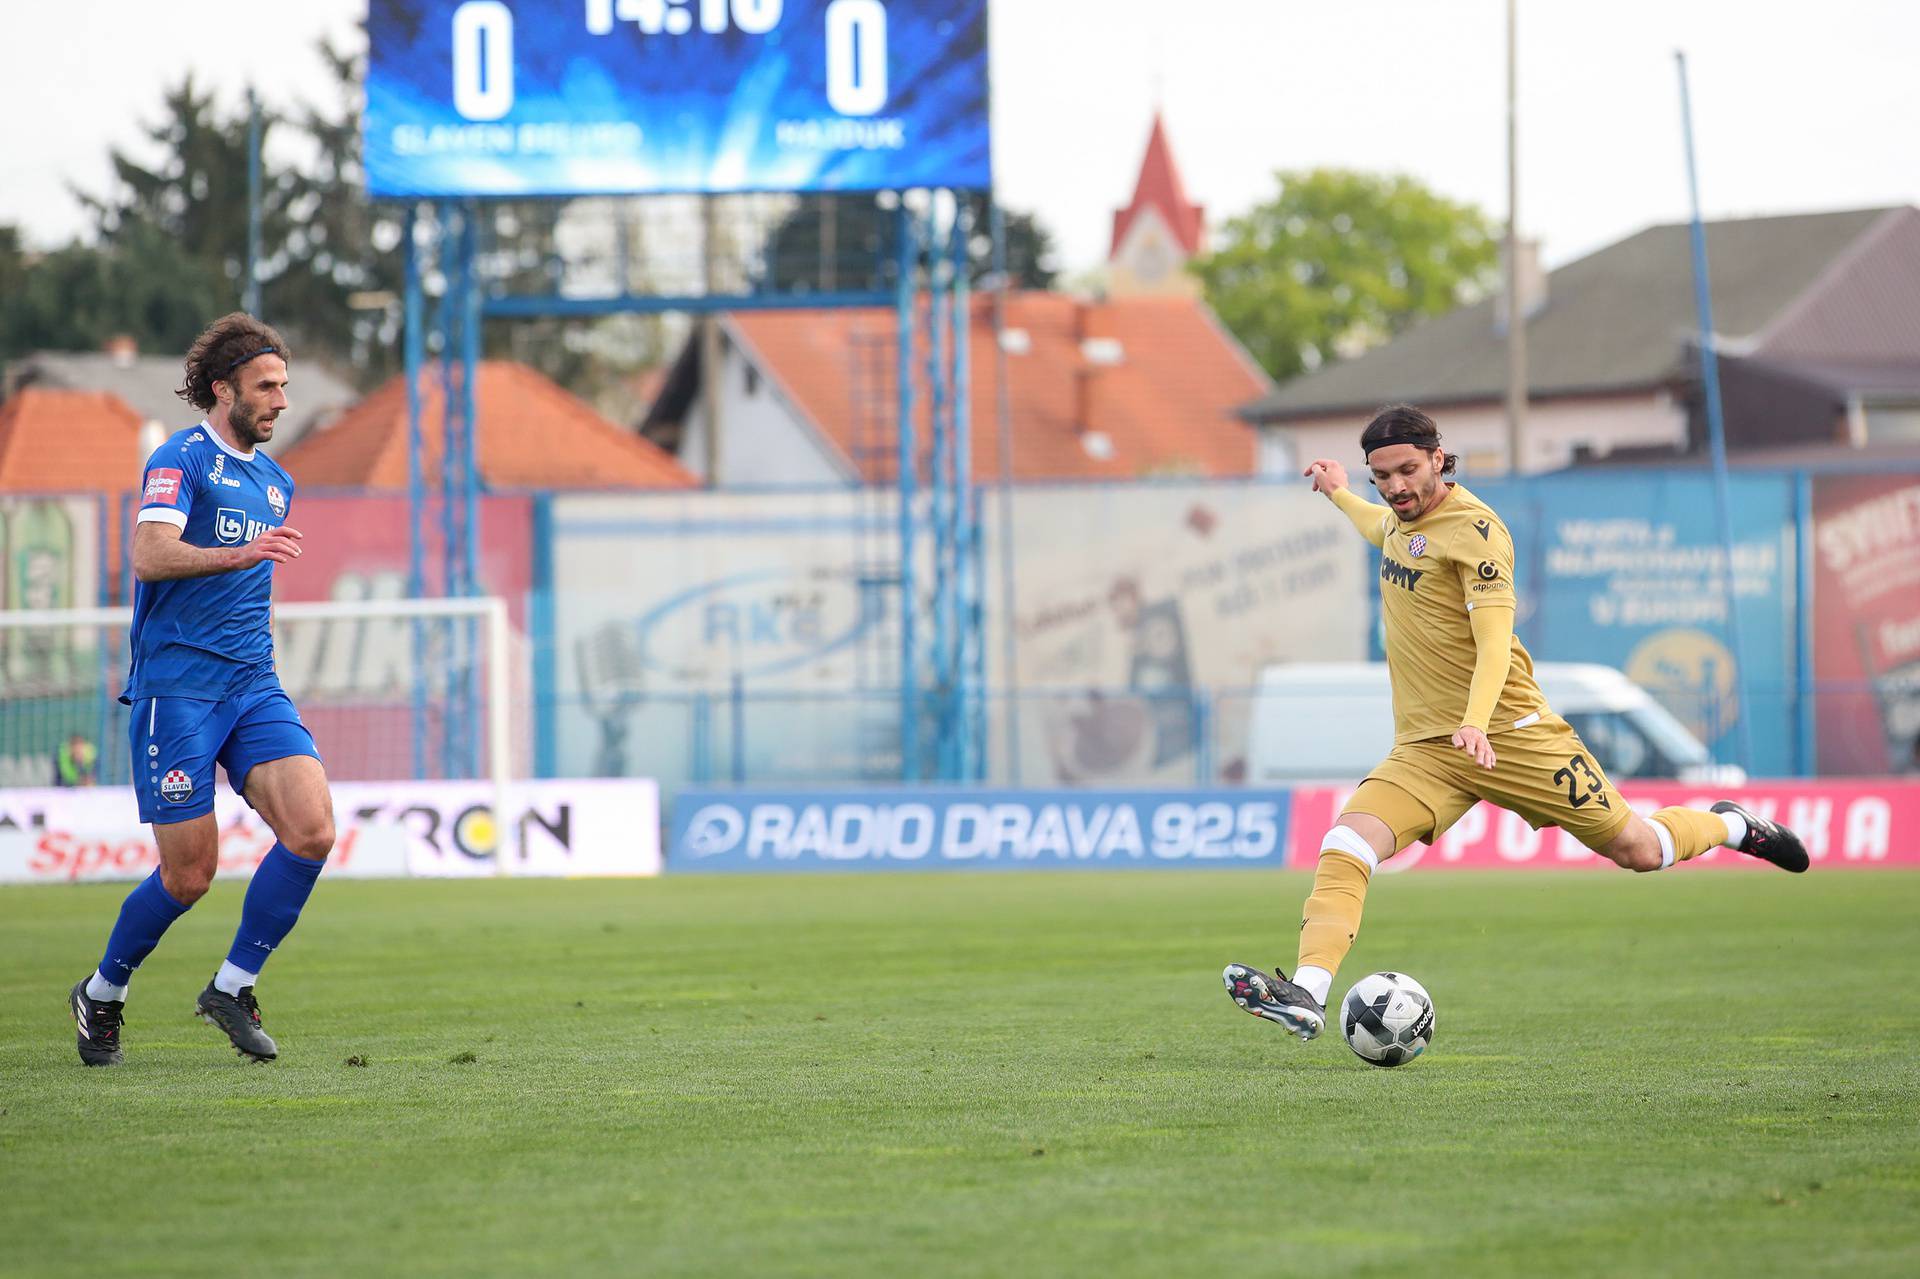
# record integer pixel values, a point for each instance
(122, 349)
(1096, 353)
(1532, 283)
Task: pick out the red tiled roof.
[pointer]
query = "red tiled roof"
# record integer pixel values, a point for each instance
(529, 434)
(1160, 187)
(1167, 405)
(54, 440)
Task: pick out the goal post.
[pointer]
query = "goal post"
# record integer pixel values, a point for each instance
(371, 677)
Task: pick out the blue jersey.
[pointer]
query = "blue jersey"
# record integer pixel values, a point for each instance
(207, 637)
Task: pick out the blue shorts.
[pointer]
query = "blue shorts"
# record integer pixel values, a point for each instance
(177, 740)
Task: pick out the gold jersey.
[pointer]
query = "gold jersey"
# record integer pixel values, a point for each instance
(1433, 572)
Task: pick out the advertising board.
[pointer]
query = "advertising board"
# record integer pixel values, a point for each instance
(922, 828)
(439, 829)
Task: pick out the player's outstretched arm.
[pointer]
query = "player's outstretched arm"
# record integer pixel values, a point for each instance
(160, 556)
(1370, 518)
(1492, 656)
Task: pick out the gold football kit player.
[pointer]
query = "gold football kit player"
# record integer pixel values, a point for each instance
(1470, 723)
(1446, 592)
(1447, 597)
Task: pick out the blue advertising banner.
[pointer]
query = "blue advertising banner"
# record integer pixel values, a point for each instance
(1628, 570)
(598, 97)
(929, 828)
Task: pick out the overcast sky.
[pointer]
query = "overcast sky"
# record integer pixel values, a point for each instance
(1796, 106)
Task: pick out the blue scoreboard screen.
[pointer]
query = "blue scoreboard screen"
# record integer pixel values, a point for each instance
(598, 97)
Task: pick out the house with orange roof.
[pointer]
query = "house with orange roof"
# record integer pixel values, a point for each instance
(528, 433)
(1119, 389)
(54, 440)
(1142, 382)
(57, 548)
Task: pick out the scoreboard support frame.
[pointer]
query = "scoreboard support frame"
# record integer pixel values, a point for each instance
(943, 720)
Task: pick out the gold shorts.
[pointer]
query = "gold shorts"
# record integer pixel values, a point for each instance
(1543, 772)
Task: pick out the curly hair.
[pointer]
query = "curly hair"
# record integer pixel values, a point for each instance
(228, 343)
(1405, 424)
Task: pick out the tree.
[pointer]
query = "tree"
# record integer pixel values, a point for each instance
(1339, 261)
(175, 233)
(337, 276)
(843, 241)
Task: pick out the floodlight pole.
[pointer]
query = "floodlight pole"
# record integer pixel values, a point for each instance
(250, 294)
(1516, 315)
(1716, 427)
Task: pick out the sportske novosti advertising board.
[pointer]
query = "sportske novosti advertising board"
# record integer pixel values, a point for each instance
(439, 829)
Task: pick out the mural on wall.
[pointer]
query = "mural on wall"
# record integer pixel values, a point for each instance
(1866, 622)
(1129, 600)
(50, 680)
(667, 605)
(1627, 570)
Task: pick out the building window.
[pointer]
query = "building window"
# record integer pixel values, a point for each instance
(1893, 426)
(1276, 454)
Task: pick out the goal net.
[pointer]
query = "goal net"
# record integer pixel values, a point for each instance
(391, 690)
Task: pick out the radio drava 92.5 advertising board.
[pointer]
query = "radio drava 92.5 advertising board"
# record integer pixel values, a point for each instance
(596, 97)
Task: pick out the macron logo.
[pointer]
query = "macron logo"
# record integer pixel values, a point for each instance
(1391, 570)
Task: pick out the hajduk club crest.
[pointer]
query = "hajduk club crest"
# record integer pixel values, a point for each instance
(1417, 545)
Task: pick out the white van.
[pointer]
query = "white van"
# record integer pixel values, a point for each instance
(1333, 721)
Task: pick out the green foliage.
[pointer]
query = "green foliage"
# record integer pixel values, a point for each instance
(337, 274)
(844, 242)
(1338, 261)
(980, 1074)
(169, 241)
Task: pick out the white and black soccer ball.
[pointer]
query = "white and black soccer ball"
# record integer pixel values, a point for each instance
(1387, 1019)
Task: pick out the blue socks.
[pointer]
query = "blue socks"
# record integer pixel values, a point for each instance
(274, 898)
(144, 916)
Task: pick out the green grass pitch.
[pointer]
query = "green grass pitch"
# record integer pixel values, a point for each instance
(1702, 1072)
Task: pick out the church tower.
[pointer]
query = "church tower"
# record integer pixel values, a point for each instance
(1155, 235)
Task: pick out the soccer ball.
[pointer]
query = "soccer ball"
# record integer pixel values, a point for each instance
(1387, 1019)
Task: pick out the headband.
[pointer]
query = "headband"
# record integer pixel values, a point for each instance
(1391, 440)
(265, 350)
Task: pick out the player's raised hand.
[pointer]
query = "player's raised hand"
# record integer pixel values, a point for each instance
(1327, 475)
(1475, 743)
(281, 545)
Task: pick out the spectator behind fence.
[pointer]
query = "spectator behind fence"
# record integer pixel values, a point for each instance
(74, 762)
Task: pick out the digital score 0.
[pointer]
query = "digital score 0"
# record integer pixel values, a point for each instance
(495, 98)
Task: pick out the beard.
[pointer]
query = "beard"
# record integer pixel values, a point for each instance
(248, 425)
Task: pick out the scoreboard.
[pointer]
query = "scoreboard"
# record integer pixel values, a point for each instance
(599, 97)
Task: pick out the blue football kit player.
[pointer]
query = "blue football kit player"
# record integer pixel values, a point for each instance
(203, 689)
